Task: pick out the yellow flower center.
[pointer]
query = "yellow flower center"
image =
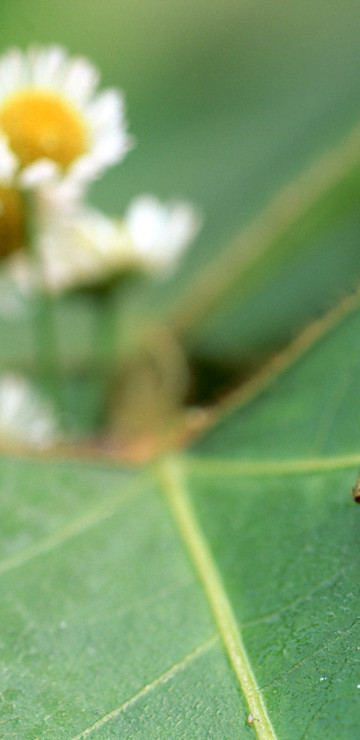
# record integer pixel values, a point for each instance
(40, 124)
(12, 221)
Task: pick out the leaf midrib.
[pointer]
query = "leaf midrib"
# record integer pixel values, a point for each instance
(171, 475)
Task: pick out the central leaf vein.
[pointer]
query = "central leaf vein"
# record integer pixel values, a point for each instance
(171, 476)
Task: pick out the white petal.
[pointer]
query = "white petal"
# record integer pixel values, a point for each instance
(107, 151)
(13, 72)
(87, 248)
(108, 107)
(48, 66)
(160, 232)
(80, 81)
(40, 172)
(8, 162)
(26, 418)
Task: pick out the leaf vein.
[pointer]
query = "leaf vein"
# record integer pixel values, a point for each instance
(318, 650)
(202, 466)
(295, 602)
(280, 216)
(170, 473)
(72, 529)
(167, 676)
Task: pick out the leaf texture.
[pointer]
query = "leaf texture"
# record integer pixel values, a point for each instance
(217, 584)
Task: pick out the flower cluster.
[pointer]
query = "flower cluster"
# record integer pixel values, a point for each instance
(57, 134)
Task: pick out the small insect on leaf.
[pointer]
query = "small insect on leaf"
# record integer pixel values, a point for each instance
(355, 491)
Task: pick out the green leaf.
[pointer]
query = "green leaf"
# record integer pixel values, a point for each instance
(103, 621)
(221, 582)
(276, 275)
(176, 601)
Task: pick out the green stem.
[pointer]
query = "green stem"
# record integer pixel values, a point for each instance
(44, 324)
(106, 338)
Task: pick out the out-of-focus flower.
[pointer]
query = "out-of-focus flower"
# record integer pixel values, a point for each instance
(73, 248)
(54, 125)
(24, 217)
(57, 133)
(84, 249)
(90, 246)
(160, 232)
(77, 245)
(25, 417)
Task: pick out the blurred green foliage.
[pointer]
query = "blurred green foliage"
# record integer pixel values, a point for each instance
(229, 102)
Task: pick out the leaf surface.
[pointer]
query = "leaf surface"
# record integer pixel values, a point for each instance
(103, 622)
(174, 601)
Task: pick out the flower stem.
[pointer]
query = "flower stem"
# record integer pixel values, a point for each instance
(106, 337)
(48, 364)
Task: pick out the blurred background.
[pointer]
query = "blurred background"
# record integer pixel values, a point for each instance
(228, 101)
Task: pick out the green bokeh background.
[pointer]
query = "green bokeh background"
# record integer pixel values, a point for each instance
(229, 101)
(221, 96)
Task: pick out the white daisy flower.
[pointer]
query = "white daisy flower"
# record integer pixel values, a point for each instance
(88, 246)
(160, 232)
(26, 418)
(85, 249)
(53, 122)
(72, 250)
(77, 245)
(48, 207)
